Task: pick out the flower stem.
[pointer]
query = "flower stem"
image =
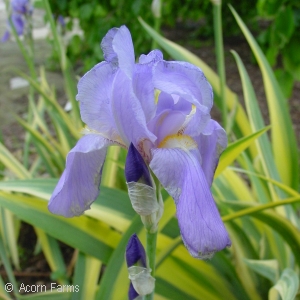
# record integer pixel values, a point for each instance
(151, 253)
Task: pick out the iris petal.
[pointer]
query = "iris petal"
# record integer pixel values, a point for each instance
(79, 184)
(189, 83)
(118, 49)
(128, 112)
(202, 229)
(143, 84)
(185, 80)
(211, 143)
(94, 94)
(152, 57)
(143, 89)
(132, 293)
(135, 252)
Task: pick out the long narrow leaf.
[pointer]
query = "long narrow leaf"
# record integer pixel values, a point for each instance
(283, 137)
(257, 123)
(87, 234)
(12, 163)
(234, 149)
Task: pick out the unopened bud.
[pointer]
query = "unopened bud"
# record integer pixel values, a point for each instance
(141, 280)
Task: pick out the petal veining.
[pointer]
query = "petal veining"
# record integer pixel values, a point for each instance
(211, 143)
(94, 94)
(143, 89)
(202, 229)
(185, 80)
(152, 57)
(118, 49)
(128, 112)
(79, 184)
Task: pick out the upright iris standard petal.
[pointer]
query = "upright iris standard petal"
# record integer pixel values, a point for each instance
(128, 112)
(201, 227)
(79, 184)
(118, 49)
(107, 47)
(142, 82)
(185, 80)
(143, 89)
(153, 57)
(211, 143)
(94, 95)
(189, 83)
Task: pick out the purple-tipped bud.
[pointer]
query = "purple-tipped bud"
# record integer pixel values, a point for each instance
(142, 283)
(132, 293)
(135, 167)
(135, 252)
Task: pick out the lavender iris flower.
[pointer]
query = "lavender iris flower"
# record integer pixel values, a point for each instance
(20, 9)
(163, 109)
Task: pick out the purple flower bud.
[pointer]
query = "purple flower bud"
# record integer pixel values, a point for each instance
(132, 293)
(142, 283)
(135, 252)
(135, 167)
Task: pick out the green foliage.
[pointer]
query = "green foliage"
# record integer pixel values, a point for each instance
(280, 38)
(96, 18)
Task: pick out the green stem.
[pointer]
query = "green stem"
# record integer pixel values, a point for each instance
(220, 57)
(151, 253)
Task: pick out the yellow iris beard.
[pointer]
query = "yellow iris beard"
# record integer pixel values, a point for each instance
(156, 95)
(178, 141)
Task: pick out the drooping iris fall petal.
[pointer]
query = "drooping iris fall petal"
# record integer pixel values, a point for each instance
(79, 184)
(201, 227)
(211, 143)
